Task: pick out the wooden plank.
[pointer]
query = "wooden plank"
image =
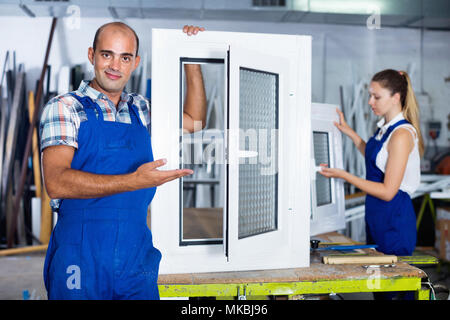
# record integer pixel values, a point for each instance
(11, 137)
(4, 68)
(35, 147)
(11, 133)
(20, 229)
(9, 252)
(46, 211)
(364, 259)
(46, 217)
(316, 272)
(8, 202)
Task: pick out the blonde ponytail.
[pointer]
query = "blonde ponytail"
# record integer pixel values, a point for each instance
(399, 81)
(411, 111)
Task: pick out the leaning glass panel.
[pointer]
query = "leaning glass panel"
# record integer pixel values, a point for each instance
(322, 156)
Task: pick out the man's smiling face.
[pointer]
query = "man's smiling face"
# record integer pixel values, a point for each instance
(114, 58)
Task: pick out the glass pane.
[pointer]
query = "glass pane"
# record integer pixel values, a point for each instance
(322, 155)
(258, 120)
(203, 151)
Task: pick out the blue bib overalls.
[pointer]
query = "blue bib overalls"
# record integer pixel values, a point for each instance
(389, 224)
(101, 248)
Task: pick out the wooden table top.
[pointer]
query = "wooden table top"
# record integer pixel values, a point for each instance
(315, 272)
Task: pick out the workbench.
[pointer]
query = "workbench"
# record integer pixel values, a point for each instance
(319, 278)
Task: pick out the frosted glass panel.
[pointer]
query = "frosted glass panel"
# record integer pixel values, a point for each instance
(258, 120)
(322, 155)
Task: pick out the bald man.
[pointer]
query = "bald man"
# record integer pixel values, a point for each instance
(100, 173)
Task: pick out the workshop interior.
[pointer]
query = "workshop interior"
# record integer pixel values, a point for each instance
(256, 219)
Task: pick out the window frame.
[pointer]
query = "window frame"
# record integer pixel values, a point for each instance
(329, 217)
(292, 55)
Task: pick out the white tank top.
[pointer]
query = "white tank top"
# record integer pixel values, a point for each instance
(411, 177)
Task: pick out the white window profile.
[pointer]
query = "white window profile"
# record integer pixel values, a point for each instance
(327, 195)
(253, 214)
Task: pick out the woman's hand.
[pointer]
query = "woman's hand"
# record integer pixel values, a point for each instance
(331, 172)
(342, 125)
(360, 144)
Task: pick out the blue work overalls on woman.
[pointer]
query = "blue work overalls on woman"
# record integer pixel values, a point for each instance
(391, 225)
(101, 248)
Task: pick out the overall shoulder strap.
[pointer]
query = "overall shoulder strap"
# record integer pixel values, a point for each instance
(89, 107)
(391, 128)
(134, 113)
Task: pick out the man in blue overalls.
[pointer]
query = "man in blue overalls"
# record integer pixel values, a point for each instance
(99, 171)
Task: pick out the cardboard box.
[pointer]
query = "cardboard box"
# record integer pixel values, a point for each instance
(442, 243)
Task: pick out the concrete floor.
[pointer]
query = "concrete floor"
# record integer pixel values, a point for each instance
(20, 273)
(21, 276)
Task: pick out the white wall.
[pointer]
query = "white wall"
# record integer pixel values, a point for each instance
(341, 55)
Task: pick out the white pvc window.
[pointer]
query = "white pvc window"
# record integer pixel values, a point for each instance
(327, 195)
(241, 204)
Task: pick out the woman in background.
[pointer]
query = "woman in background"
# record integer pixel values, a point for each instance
(392, 159)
